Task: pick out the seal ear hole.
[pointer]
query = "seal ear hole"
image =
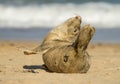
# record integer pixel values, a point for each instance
(66, 58)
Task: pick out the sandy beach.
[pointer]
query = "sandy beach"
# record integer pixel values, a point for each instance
(17, 68)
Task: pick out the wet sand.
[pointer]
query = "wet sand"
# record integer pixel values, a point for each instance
(17, 68)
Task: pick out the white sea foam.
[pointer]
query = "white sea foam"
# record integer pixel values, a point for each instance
(100, 15)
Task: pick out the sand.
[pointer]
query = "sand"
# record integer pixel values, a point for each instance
(17, 68)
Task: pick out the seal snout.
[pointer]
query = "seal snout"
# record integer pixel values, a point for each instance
(79, 18)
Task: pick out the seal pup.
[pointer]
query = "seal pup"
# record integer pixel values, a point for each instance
(71, 58)
(64, 34)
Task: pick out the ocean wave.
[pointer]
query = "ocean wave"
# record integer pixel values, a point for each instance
(100, 15)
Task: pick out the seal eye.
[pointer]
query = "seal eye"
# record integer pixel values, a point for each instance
(75, 30)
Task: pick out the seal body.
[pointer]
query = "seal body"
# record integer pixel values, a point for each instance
(71, 58)
(65, 60)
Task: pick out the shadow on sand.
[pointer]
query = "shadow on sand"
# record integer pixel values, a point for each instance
(33, 68)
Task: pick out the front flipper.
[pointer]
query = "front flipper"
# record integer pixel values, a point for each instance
(29, 52)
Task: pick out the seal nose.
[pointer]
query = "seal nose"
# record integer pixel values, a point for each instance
(79, 18)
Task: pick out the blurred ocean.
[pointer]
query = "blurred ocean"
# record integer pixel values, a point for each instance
(32, 19)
